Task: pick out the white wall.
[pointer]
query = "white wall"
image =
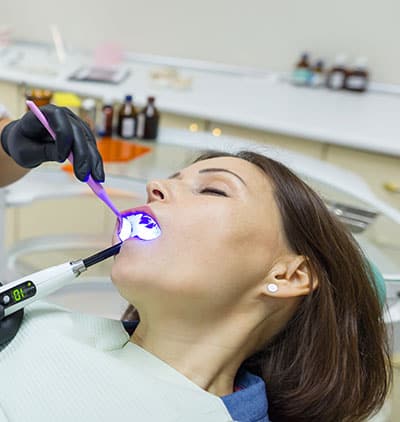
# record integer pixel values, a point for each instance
(262, 33)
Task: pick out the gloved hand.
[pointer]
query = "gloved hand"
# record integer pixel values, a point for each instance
(27, 141)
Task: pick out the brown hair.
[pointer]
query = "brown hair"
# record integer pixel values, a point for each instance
(331, 362)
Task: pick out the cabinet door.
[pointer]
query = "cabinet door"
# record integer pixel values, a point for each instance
(314, 149)
(9, 97)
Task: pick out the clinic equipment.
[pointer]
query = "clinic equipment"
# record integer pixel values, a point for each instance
(14, 296)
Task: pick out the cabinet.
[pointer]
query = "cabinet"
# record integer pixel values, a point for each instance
(303, 146)
(192, 124)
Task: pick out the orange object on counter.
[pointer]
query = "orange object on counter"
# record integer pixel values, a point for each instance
(114, 150)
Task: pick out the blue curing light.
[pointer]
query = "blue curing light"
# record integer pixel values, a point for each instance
(139, 225)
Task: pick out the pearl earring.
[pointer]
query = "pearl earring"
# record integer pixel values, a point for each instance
(272, 288)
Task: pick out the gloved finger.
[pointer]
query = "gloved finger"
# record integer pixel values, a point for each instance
(59, 121)
(32, 128)
(96, 163)
(33, 153)
(94, 157)
(80, 151)
(95, 160)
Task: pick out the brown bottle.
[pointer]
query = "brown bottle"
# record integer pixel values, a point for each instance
(302, 73)
(357, 78)
(148, 121)
(106, 124)
(40, 97)
(127, 117)
(337, 74)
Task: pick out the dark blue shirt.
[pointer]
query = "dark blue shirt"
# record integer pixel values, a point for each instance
(249, 404)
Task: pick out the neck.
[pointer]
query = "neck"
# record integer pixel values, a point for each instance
(209, 357)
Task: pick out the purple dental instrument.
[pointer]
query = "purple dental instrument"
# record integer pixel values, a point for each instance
(96, 187)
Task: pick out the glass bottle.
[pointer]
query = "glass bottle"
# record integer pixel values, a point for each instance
(106, 123)
(127, 119)
(302, 73)
(317, 78)
(40, 97)
(148, 121)
(357, 78)
(87, 112)
(337, 74)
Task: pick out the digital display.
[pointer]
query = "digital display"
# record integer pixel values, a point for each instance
(18, 293)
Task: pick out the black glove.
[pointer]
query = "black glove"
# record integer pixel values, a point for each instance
(29, 144)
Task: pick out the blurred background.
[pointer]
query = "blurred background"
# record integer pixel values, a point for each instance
(313, 82)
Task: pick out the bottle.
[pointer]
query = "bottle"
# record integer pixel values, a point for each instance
(357, 78)
(127, 119)
(87, 112)
(337, 74)
(148, 121)
(317, 78)
(106, 123)
(302, 73)
(40, 97)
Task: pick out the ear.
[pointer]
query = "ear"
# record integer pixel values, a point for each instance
(292, 277)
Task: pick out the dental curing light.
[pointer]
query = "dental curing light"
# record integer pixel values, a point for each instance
(14, 296)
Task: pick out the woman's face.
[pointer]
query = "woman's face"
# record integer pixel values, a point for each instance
(220, 234)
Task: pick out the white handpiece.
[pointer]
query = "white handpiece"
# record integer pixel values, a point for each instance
(17, 294)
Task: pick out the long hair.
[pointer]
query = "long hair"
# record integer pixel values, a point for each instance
(331, 362)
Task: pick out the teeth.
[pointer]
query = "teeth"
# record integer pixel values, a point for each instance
(143, 226)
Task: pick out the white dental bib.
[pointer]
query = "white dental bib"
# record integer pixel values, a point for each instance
(68, 367)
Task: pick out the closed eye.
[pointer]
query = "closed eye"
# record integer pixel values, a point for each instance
(212, 191)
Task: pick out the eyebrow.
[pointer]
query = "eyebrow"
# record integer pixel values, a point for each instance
(209, 170)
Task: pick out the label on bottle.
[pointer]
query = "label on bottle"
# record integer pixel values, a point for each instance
(301, 76)
(317, 79)
(128, 127)
(141, 119)
(355, 82)
(336, 80)
(150, 111)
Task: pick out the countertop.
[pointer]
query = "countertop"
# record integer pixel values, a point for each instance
(367, 121)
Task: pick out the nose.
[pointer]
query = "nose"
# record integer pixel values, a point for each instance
(157, 191)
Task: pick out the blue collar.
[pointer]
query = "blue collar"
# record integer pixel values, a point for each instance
(249, 404)
(246, 405)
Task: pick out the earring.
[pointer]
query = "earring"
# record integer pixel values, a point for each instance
(272, 288)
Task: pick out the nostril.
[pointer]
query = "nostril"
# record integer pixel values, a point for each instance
(158, 193)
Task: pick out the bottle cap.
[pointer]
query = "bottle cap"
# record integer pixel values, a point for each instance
(128, 98)
(319, 63)
(151, 99)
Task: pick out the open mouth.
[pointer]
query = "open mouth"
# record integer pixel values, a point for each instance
(140, 225)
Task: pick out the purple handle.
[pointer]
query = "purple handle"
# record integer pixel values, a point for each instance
(96, 187)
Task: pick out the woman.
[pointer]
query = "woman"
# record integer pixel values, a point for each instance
(253, 273)
(253, 286)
